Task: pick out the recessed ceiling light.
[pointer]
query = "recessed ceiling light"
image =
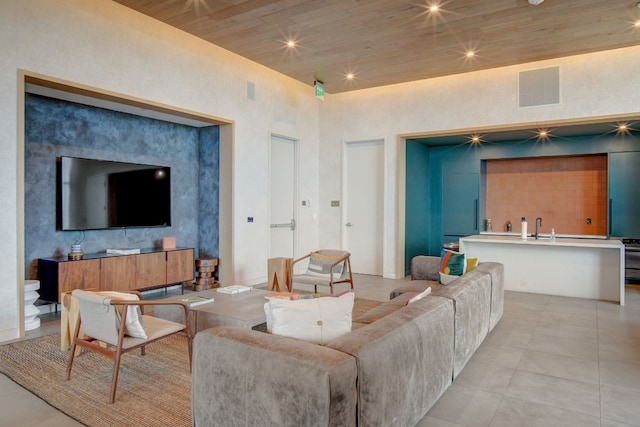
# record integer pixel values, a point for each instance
(470, 54)
(535, 2)
(291, 43)
(350, 76)
(434, 8)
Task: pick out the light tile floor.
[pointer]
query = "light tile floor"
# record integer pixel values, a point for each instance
(551, 361)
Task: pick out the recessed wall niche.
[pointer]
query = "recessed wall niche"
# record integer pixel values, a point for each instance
(61, 128)
(569, 193)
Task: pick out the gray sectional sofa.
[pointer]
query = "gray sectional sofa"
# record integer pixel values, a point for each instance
(389, 370)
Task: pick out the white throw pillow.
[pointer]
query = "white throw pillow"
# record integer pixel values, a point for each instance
(317, 320)
(133, 324)
(420, 295)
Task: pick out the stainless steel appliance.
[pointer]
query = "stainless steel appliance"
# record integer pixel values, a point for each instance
(632, 260)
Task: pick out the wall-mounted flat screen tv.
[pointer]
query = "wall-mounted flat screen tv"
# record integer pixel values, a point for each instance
(100, 194)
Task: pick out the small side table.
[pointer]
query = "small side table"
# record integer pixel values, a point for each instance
(31, 312)
(205, 267)
(279, 274)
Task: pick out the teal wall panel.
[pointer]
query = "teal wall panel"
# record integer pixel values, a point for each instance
(468, 159)
(417, 206)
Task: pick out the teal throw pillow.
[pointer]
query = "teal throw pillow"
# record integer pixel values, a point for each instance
(451, 263)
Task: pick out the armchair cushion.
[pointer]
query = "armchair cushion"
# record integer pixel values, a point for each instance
(134, 327)
(320, 265)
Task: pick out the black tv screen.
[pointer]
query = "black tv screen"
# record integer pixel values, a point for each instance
(100, 194)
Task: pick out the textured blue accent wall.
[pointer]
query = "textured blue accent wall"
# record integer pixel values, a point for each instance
(56, 128)
(208, 191)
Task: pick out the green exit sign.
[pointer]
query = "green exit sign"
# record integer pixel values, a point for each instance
(319, 87)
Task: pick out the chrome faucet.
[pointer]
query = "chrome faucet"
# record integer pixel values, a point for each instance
(538, 219)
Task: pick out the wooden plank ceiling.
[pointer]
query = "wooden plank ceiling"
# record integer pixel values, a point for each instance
(392, 41)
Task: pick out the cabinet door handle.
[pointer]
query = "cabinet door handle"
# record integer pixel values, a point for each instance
(610, 217)
(475, 214)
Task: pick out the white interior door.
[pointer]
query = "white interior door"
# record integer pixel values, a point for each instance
(363, 205)
(282, 196)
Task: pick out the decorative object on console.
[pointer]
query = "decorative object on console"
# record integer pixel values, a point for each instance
(123, 251)
(76, 250)
(76, 253)
(169, 243)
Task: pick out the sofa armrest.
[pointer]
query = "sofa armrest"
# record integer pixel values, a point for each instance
(425, 267)
(471, 295)
(405, 361)
(245, 377)
(496, 271)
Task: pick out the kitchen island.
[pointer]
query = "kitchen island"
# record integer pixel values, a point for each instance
(581, 268)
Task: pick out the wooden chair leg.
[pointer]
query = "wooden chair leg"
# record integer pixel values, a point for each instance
(114, 380)
(74, 344)
(190, 346)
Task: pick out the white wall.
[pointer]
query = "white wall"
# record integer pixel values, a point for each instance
(104, 45)
(595, 85)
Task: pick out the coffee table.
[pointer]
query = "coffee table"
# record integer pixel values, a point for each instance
(243, 310)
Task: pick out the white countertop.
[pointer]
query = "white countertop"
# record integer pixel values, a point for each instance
(510, 238)
(547, 235)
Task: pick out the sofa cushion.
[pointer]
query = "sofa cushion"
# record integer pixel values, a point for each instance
(425, 267)
(386, 308)
(415, 286)
(242, 377)
(445, 279)
(317, 320)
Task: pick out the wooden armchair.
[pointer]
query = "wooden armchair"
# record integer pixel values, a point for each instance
(327, 267)
(104, 320)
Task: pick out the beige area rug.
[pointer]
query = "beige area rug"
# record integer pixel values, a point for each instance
(153, 390)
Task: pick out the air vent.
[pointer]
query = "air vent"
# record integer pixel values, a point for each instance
(251, 91)
(539, 87)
